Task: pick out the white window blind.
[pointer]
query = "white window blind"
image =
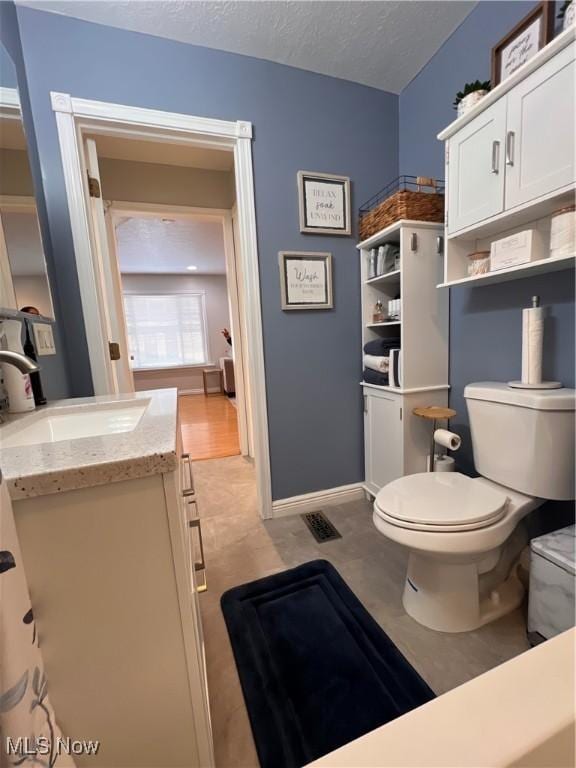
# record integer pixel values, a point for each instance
(165, 331)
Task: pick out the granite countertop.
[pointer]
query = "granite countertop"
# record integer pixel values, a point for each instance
(51, 467)
(559, 547)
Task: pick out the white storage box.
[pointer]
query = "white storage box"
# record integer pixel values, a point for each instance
(513, 250)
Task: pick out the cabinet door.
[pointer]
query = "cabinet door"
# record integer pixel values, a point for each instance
(476, 169)
(540, 131)
(383, 437)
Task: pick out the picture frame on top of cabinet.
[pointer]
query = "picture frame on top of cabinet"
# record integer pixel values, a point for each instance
(523, 42)
(305, 280)
(324, 203)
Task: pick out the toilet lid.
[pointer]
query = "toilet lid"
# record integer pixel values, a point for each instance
(447, 499)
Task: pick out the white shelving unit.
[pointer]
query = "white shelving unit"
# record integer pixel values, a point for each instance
(510, 164)
(396, 442)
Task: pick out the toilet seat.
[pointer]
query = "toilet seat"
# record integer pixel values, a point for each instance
(440, 502)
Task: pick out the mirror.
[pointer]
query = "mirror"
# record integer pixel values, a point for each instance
(23, 277)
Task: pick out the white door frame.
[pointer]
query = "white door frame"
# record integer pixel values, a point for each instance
(77, 116)
(119, 209)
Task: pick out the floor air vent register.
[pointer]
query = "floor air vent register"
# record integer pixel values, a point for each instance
(320, 527)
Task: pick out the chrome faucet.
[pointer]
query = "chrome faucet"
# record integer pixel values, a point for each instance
(23, 363)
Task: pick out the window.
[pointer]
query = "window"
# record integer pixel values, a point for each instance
(165, 331)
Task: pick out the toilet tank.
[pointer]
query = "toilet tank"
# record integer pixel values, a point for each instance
(523, 439)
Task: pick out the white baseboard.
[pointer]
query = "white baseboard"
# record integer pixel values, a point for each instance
(191, 391)
(311, 502)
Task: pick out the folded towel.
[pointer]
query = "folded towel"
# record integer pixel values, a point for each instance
(377, 363)
(373, 377)
(381, 347)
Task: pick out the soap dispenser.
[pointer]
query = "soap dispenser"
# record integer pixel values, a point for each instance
(18, 385)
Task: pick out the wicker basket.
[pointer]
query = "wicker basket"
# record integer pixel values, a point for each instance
(405, 198)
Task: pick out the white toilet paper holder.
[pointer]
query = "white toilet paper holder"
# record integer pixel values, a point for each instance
(532, 346)
(435, 413)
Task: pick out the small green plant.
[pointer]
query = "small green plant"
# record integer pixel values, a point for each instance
(471, 88)
(564, 8)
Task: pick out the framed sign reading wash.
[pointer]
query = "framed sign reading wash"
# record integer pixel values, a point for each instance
(324, 203)
(306, 280)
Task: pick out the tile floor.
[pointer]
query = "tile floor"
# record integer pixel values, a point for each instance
(240, 547)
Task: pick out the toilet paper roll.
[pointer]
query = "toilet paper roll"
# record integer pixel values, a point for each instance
(532, 335)
(447, 439)
(444, 464)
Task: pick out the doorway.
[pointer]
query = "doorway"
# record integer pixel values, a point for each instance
(78, 122)
(180, 304)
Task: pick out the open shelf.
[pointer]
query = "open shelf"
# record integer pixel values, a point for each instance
(391, 234)
(393, 276)
(405, 390)
(513, 273)
(385, 323)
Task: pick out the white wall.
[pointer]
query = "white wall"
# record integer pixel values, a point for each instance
(217, 317)
(126, 180)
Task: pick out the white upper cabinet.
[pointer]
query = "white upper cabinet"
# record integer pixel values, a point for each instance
(540, 132)
(476, 169)
(515, 149)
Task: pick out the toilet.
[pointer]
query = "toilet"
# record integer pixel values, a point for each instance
(457, 528)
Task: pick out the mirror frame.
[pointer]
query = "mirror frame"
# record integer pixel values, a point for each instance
(10, 109)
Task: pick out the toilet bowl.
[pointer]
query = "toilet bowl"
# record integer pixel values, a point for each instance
(457, 528)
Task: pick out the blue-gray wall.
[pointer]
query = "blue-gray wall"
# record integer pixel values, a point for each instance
(485, 322)
(301, 121)
(12, 75)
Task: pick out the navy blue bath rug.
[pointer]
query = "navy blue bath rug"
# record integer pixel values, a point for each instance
(316, 669)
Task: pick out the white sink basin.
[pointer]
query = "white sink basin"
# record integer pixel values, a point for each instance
(72, 423)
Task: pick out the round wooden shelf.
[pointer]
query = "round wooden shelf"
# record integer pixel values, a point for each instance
(434, 412)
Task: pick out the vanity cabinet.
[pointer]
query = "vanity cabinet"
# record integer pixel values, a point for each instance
(517, 146)
(114, 573)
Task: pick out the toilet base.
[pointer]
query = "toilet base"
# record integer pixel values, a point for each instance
(445, 595)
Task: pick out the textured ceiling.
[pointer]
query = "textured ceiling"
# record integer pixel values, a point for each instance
(164, 153)
(156, 246)
(379, 43)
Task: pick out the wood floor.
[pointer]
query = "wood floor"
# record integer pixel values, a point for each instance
(209, 426)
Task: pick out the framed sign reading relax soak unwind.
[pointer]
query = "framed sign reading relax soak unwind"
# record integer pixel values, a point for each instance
(324, 203)
(305, 280)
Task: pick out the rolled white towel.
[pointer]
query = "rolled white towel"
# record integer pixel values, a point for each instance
(377, 363)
